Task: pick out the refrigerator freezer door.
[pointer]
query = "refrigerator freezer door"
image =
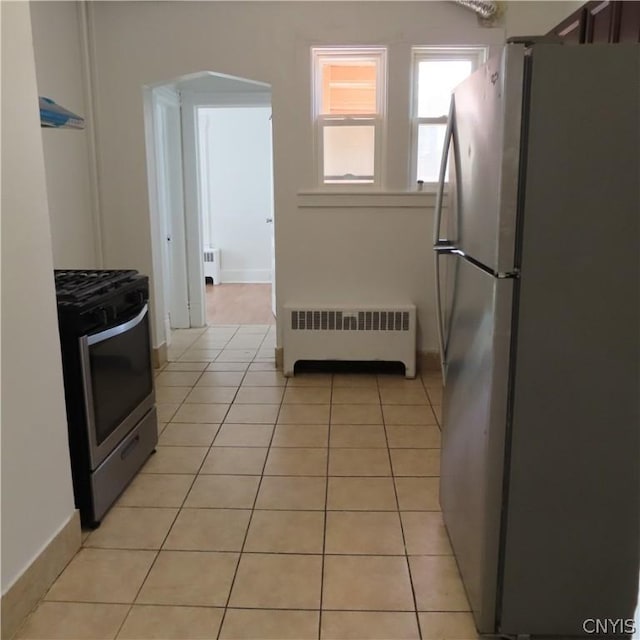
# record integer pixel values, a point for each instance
(478, 329)
(483, 190)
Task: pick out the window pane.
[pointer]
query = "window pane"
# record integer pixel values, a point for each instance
(348, 154)
(348, 87)
(436, 81)
(430, 142)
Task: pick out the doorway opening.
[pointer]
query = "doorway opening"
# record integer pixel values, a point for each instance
(209, 154)
(236, 207)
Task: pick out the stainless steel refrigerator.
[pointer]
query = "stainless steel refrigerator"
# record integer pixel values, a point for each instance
(537, 263)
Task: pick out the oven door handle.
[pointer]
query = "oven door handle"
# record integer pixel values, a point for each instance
(117, 330)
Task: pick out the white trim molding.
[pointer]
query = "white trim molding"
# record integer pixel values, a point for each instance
(419, 200)
(245, 276)
(25, 593)
(223, 99)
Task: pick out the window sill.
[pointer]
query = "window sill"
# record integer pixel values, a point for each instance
(375, 199)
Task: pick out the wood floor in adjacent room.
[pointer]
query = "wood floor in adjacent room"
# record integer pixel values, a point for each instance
(239, 304)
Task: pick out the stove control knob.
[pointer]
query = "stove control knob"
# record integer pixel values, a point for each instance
(135, 297)
(100, 315)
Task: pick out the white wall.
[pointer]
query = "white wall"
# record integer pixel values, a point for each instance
(235, 157)
(68, 161)
(524, 18)
(328, 254)
(321, 254)
(37, 495)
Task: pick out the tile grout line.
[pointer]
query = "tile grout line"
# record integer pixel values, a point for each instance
(399, 512)
(245, 608)
(253, 509)
(286, 553)
(287, 475)
(326, 505)
(426, 390)
(178, 511)
(181, 404)
(157, 551)
(222, 422)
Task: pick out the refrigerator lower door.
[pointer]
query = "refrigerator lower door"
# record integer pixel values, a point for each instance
(478, 338)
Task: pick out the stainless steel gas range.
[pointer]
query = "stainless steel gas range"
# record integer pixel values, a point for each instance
(103, 319)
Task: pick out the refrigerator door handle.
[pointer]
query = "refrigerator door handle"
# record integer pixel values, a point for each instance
(448, 135)
(440, 245)
(439, 321)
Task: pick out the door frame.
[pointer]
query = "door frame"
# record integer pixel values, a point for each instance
(191, 102)
(176, 91)
(192, 220)
(170, 188)
(154, 98)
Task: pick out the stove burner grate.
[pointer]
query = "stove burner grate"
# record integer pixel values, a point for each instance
(80, 286)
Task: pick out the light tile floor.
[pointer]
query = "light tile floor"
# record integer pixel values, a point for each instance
(273, 508)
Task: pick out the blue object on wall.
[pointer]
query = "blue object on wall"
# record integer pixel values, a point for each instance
(53, 115)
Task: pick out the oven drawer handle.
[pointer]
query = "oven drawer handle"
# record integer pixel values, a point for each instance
(117, 330)
(130, 447)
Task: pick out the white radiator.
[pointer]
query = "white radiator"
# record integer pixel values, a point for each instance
(212, 264)
(327, 332)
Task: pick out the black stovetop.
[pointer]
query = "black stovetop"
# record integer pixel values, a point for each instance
(90, 299)
(74, 285)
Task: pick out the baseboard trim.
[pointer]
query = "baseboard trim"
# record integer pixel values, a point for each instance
(159, 355)
(31, 586)
(428, 361)
(279, 354)
(245, 276)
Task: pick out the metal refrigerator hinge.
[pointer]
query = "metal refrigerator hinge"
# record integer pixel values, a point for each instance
(503, 275)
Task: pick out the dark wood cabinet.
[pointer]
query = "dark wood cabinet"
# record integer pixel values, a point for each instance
(572, 29)
(628, 22)
(601, 21)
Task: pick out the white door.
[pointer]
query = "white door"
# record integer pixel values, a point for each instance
(171, 205)
(236, 170)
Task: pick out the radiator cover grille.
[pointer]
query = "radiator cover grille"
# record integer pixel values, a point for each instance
(331, 320)
(385, 332)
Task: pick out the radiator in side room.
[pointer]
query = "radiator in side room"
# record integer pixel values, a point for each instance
(212, 264)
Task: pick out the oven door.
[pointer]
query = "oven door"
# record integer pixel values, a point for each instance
(118, 382)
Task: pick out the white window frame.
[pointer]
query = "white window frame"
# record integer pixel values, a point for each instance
(477, 55)
(377, 120)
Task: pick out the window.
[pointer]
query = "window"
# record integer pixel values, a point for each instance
(348, 103)
(436, 72)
